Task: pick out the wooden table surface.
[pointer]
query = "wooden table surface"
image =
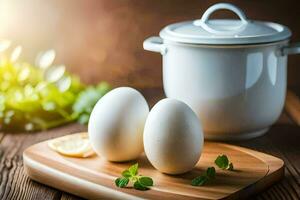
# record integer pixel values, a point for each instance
(283, 141)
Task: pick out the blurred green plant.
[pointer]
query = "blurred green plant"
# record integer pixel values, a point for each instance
(41, 96)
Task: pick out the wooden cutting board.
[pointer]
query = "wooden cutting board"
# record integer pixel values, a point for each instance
(93, 177)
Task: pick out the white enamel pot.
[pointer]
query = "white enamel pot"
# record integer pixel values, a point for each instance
(232, 73)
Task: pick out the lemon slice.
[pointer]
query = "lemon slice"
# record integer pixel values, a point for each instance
(77, 145)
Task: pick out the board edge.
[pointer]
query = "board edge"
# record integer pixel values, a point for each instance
(67, 183)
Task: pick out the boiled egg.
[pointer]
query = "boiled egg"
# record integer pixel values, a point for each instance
(116, 124)
(173, 137)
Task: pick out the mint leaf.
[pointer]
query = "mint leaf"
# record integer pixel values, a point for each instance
(121, 182)
(211, 172)
(131, 174)
(203, 179)
(134, 169)
(146, 181)
(138, 186)
(222, 161)
(200, 180)
(126, 173)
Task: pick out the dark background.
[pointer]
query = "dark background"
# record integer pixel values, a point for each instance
(102, 39)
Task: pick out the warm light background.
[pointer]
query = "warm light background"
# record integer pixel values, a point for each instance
(102, 39)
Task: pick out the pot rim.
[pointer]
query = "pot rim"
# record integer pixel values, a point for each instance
(169, 33)
(283, 42)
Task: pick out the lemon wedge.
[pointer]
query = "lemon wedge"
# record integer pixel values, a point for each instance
(77, 145)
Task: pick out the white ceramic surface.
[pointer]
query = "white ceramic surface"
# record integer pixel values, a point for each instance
(237, 91)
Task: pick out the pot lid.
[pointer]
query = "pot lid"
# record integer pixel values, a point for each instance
(225, 31)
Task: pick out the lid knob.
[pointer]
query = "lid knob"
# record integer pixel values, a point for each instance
(221, 6)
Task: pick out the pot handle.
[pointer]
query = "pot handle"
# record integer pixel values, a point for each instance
(203, 22)
(155, 44)
(291, 49)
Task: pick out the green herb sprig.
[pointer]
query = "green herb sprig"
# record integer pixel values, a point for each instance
(222, 162)
(209, 175)
(86, 101)
(41, 95)
(131, 175)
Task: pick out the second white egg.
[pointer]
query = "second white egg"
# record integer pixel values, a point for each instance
(173, 137)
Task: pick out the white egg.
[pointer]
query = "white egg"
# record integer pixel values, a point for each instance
(116, 124)
(173, 137)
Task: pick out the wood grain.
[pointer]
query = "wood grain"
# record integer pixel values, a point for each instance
(292, 106)
(14, 183)
(281, 141)
(94, 177)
